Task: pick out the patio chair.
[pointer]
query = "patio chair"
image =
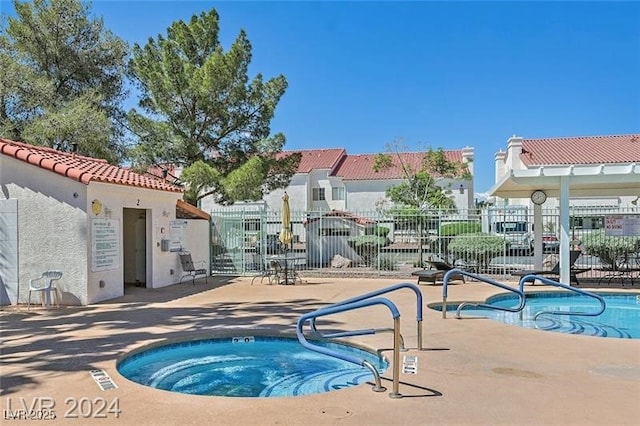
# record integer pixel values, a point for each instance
(626, 266)
(555, 271)
(437, 271)
(271, 271)
(190, 270)
(46, 287)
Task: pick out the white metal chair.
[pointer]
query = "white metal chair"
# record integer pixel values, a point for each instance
(271, 271)
(48, 285)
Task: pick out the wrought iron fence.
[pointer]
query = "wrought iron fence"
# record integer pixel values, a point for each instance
(492, 241)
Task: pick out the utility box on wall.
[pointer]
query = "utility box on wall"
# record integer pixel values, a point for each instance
(164, 245)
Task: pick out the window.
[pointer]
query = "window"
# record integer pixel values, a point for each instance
(318, 194)
(337, 193)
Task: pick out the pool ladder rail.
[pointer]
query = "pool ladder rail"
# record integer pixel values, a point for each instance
(545, 280)
(363, 332)
(458, 272)
(362, 301)
(521, 295)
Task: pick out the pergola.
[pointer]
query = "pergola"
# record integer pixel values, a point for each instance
(564, 182)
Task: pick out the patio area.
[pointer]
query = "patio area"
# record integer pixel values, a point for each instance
(474, 371)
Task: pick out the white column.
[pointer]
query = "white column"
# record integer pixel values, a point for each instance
(537, 236)
(565, 236)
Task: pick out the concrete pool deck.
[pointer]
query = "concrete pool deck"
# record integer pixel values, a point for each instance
(471, 372)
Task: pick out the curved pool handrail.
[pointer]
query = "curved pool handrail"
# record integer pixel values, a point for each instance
(458, 272)
(369, 295)
(349, 358)
(545, 280)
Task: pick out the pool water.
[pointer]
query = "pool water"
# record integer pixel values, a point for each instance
(621, 318)
(247, 367)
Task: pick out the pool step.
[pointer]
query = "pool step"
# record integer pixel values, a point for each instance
(300, 384)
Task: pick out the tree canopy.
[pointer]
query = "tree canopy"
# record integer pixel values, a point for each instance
(420, 190)
(199, 109)
(62, 79)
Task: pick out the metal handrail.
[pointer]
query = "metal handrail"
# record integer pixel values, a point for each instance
(369, 295)
(349, 358)
(533, 277)
(458, 272)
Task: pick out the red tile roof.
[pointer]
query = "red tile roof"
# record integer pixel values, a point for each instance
(581, 150)
(360, 167)
(317, 158)
(80, 168)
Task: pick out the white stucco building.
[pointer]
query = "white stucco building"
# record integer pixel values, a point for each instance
(103, 226)
(331, 179)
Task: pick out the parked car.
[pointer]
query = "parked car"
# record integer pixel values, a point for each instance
(550, 242)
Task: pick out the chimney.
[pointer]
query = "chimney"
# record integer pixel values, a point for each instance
(467, 157)
(514, 149)
(74, 149)
(500, 158)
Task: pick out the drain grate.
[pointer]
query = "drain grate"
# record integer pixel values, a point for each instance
(103, 379)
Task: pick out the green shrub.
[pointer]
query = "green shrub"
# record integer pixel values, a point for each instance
(458, 228)
(382, 231)
(477, 247)
(607, 247)
(449, 230)
(368, 247)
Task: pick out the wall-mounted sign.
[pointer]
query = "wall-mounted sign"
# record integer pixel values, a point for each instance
(105, 244)
(622, 225)
(177, 232)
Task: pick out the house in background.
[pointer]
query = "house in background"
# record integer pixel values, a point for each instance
(103, 226)
(331, 179)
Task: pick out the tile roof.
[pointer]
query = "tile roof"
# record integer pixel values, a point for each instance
(317, 158)
(581, 150)
(360, 166)
(80, 168)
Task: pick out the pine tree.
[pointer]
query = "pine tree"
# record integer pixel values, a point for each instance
(62, 79)
(200, 110)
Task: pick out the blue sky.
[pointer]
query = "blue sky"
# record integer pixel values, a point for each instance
(436, 74)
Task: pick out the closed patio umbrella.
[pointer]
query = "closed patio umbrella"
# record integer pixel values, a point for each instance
(285, 232)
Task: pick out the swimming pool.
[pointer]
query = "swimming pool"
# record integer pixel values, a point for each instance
(247, 366)
(621, 318)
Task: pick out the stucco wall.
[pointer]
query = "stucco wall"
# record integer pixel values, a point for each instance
(159, 209)
(367, 194)
(8, 251)
(52, 227)
(55, 224)
(197, 243)
(299, 198)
